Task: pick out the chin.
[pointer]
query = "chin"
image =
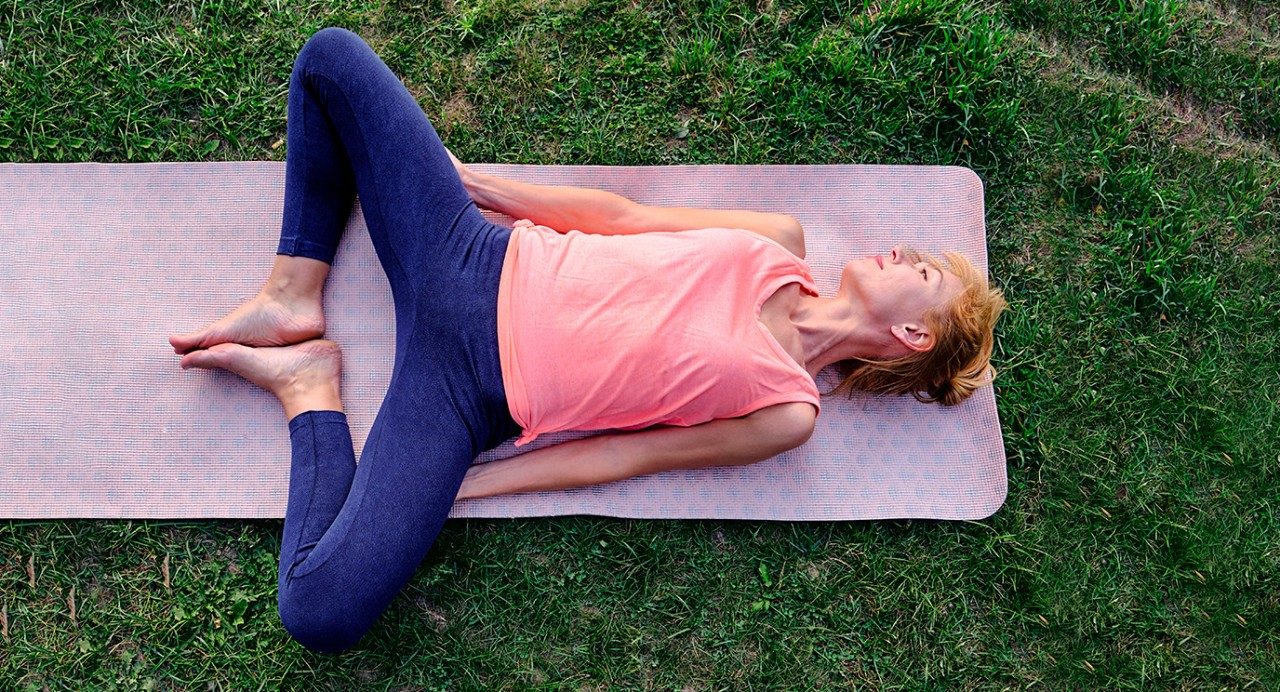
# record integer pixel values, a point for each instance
(848, 273)
(852, 275)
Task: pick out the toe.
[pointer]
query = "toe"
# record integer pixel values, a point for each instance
(217, 356)
(199, 358)
(185, 342)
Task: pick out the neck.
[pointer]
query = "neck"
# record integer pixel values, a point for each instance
(834, 329)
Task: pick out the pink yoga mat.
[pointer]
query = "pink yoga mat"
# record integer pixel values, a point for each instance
(99, 263)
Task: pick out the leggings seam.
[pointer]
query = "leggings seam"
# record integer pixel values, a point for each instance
(311, 496)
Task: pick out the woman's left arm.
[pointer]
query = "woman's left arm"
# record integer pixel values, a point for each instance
(561, 207)
(589, 210)
(761, 435)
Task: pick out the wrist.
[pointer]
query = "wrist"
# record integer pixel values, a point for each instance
(472, 483)
(480, 187)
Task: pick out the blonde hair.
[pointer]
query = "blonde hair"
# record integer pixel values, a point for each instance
(960, 360)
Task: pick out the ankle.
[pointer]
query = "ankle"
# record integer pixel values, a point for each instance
(298, 400)
(296, 277)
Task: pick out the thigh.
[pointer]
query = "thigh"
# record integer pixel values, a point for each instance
(410, 193)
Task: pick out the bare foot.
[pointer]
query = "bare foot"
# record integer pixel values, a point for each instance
(286, 371)
(265, 320)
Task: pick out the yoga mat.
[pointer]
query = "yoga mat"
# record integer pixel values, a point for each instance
(99, 263)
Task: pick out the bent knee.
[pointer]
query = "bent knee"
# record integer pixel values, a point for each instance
(333, 39)
(330, 631)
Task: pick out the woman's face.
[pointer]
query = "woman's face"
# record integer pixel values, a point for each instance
(897, 288)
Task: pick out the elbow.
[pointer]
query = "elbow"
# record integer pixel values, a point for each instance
(782, 447)
(794, 441)
(802, 439)
(787, 425)
(804, 430)
(793, 232)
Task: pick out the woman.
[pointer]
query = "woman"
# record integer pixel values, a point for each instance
(353, 535)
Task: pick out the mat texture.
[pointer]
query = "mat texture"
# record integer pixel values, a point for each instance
(99, 263)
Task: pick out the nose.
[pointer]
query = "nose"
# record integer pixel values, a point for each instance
(893, 254)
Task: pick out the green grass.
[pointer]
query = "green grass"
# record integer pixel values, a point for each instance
(1129, 153)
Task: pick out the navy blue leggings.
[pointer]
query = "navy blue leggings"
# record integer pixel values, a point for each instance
(354, 535)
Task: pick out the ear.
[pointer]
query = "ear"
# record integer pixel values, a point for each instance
(913, 336)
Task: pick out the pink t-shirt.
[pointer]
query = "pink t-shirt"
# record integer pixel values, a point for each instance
(627, 331)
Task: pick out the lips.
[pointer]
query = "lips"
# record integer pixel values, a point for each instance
(880, 261)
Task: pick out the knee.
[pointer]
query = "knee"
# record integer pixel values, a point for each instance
(332, 40)
(323, 630)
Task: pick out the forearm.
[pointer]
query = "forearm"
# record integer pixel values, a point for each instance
(572, 464)
(560, 207)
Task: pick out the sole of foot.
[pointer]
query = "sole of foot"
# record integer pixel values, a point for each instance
(264, 320)
(281, 370)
